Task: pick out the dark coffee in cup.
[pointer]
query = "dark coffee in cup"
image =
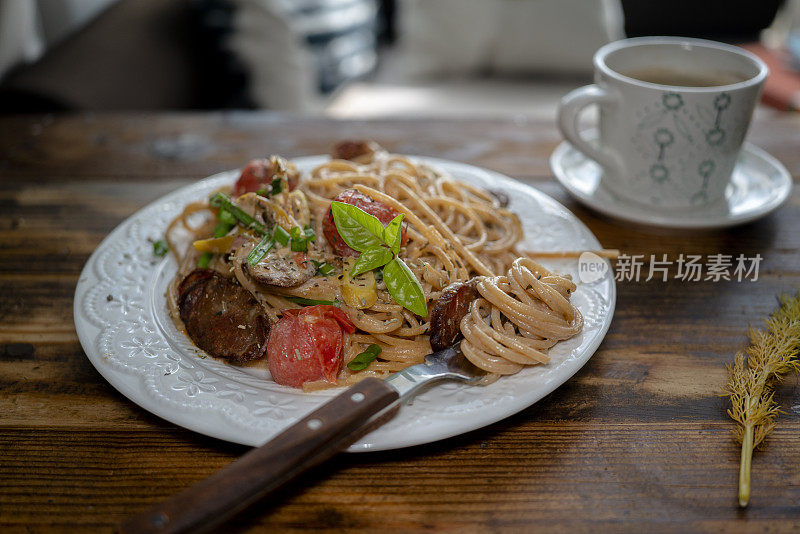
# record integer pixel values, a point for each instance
(683, 78)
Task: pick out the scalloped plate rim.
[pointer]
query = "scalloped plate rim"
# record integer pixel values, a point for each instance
(210, 426)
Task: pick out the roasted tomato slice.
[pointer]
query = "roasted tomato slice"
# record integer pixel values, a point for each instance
(306, 345)
(259, 174)
(380, 210)
(254, 176)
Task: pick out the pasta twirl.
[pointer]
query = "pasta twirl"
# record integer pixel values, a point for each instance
(456, 232)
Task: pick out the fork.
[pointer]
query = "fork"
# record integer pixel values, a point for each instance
(310, 441)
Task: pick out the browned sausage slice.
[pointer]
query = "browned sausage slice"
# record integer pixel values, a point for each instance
(351, 150)
(451, 306)
(194, 277)
(222, 318)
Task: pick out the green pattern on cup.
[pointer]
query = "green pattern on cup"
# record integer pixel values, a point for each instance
(705, 170)
(672, 101)
(668, 121)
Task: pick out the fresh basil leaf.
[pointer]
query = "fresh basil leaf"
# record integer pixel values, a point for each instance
(372, 258)
(392, 234)
(404, 287)
(160, 248)
(358, 229)
(363, 359)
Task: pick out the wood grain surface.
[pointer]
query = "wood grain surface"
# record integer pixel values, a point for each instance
(637, 441)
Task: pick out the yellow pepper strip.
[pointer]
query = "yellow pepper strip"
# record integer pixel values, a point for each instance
(215, 245)
(358, 292)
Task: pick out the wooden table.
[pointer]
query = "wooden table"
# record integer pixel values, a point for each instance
(637, 440)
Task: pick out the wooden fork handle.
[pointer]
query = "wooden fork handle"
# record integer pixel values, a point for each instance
(313, 439)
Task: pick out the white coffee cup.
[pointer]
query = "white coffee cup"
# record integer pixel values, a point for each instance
(667, 142)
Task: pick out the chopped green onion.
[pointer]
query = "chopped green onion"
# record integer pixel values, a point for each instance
(220, 200)
(258, 253)
(160, 248)
(323, 268)
(226, 217)
(281, 236)
(363, 359)
(277, 185)
(309, 233)
(299, 242)
(222, 228)
(205, 260)
(312, 302)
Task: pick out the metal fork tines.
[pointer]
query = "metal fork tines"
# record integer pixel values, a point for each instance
(449, 363)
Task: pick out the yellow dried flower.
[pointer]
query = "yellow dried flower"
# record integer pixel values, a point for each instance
(773, 353)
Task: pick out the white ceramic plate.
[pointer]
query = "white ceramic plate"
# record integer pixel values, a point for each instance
(760, 184)
(122, 322)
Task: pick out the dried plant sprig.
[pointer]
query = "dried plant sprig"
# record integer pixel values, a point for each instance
(774, 352)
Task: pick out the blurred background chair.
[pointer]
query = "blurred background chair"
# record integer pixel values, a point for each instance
(347, 58)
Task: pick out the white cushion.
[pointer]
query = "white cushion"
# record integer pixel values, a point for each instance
(450, 37)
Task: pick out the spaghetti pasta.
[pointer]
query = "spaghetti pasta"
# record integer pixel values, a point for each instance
(456, 232)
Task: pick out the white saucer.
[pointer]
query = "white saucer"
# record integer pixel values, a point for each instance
(760, 184)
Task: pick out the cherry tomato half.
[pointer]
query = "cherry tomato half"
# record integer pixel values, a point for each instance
(306, 345)
(258, 174)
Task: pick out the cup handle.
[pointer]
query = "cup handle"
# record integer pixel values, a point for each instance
(569, 111)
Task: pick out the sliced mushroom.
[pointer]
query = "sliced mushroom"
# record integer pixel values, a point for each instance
(280, 267)
(258, 207)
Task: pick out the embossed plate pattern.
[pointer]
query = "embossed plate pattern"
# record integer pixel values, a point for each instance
(123, 325)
